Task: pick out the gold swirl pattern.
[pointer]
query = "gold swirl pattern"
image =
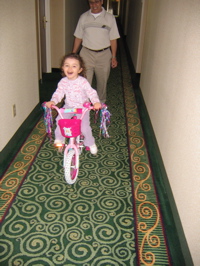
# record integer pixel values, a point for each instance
(13, 177)
(150, 233)
(146, 211)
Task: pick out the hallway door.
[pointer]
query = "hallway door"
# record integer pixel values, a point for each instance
(45, 43)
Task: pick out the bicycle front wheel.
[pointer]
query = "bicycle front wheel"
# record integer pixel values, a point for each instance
(71, 166)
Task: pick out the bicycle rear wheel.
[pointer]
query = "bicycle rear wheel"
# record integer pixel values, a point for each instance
(71, 166)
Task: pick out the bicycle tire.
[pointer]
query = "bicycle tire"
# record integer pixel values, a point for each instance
(70, 169)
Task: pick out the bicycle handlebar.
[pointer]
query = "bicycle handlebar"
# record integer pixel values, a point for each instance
(105, 115)
(61, 111)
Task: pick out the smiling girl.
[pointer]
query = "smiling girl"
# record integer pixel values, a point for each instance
(76, 90)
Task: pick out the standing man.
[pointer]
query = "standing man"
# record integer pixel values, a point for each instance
(98, 33)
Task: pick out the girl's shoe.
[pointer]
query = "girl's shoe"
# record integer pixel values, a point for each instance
(58, 143)
(93, 149)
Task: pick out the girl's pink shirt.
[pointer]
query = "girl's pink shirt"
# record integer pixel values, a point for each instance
(76, 92)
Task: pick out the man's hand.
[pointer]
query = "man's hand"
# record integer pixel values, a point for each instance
(114, 62)
(77, 43)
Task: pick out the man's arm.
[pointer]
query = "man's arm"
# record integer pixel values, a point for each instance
(113, 44)
(77, 43)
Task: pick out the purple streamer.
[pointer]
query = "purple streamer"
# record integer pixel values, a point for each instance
(48, 120)
(104, 121)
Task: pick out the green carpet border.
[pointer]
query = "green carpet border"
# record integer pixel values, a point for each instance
(174, 232)
(15, 143)
(13, 178)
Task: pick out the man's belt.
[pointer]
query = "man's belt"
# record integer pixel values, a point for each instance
(97, 51)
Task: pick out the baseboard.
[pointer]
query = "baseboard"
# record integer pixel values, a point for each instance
(12, 147)
(175, 237)
(56, 70)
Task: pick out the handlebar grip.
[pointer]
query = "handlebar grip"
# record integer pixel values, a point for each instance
(57, 109)
(87, 105)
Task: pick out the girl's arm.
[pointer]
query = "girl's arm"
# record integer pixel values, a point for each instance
(91, 94)
(94, 98)
(59, 93)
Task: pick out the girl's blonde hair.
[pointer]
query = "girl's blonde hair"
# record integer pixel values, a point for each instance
(77, 57)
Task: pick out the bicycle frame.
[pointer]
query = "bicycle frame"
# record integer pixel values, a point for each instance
(72, 149)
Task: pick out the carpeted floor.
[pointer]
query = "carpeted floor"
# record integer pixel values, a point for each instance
(110, 216)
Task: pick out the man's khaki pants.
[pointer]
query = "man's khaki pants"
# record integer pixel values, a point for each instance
(97, 63)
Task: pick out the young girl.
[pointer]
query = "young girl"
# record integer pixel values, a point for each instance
(76, 90)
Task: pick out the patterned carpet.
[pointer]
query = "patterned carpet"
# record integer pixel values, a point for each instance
(110, 216)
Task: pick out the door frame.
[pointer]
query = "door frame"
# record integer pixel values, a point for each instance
(44, 35)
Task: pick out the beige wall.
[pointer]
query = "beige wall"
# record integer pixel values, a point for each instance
(170, 83)
(18, 65)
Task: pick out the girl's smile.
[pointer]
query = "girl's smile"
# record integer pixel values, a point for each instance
(71, 68)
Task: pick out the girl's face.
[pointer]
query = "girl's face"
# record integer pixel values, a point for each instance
(71, 68)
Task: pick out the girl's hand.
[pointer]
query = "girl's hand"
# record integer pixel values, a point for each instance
(97, 106)
(49, 104)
